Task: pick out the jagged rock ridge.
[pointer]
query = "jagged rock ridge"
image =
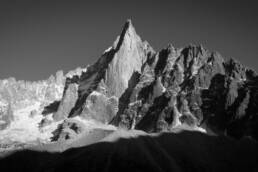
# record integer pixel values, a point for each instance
(132, 86)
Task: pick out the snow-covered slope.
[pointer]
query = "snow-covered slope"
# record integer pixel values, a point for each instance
(24, 127)
(21, 106)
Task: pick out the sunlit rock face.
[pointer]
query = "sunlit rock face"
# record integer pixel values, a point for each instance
(67, 103)
(100, 107)
(67, 130)
(130, 54)
(110, 75)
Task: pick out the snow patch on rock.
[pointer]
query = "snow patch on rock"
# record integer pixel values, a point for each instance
(78, 71)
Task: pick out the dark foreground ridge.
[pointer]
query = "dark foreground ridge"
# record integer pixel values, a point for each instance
(185, 151)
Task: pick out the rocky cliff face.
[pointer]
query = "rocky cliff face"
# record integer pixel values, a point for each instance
(194, 87)
(132, 86)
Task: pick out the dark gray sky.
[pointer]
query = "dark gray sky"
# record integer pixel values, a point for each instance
(37, 38)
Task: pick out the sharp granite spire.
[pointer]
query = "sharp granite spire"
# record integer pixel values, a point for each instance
(130, 54)
(111, 74)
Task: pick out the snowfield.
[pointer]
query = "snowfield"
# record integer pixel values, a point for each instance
(24, 129)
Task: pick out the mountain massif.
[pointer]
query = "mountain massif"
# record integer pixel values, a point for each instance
(133, 87)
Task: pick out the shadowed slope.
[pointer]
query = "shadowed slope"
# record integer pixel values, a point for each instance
(184, 151)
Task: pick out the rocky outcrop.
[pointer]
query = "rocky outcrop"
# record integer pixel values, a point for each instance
(233, 101)
(6, 115)
(67, 103)
(67, 130)
(100, 107)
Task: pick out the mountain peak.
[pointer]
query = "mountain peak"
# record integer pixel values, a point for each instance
(128, 25)
(127, 35)
(128, 58)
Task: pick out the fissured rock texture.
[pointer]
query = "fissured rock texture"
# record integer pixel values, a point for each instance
(111, 74)
(67, 102)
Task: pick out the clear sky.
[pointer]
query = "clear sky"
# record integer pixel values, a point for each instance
(37, 38)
